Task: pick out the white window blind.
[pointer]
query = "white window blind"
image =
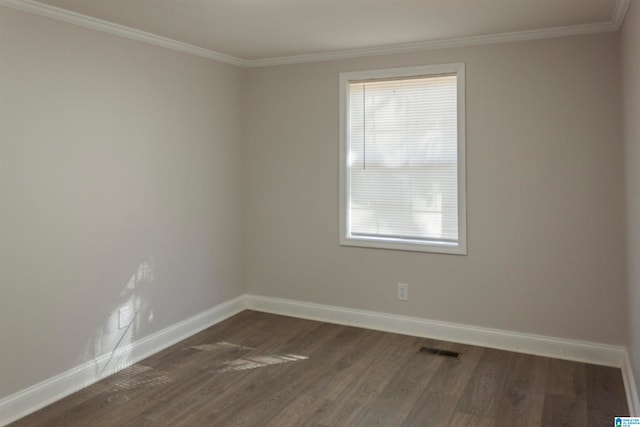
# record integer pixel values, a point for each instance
(403, 161)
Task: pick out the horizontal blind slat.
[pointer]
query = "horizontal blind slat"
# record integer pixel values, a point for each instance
(403, 158)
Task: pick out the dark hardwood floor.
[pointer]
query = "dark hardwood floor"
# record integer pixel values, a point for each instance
(258, 369)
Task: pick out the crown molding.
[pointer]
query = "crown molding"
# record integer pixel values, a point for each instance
(619, 12)
(69, 17)
(517, 36)
(31, 6)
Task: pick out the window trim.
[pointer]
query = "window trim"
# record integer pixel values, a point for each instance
(344, 185)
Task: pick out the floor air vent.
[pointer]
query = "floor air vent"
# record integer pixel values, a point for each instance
(438, 352)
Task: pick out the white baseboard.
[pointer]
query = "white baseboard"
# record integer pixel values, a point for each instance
(39, 395)
(581, 351)
(630, 387)
(35, 397)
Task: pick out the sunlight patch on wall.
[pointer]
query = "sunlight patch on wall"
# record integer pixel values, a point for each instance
(111, 345)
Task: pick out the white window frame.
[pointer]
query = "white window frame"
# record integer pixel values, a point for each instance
(394, 243)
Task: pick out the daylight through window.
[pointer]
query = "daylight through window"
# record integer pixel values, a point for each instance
(403, 159)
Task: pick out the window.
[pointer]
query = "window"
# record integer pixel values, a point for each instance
(402, 174)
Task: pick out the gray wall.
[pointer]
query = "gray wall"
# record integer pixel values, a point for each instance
(545, 194)
(119, 183)
(630, 42)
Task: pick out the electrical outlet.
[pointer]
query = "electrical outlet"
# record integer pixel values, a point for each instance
(125, 316)
(403, 292)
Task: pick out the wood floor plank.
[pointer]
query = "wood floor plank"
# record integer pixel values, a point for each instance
(487, 384)
(289, 385)
(172, 404)
(605, 395)
(343, 359)
(42, 416)
(304, 410)
(307, 343)
(522, 402)
(563, 411)
(453, 375)
(461, 419)
(220, 382)
(605, 390)
(142, 422)
(392, 352)
(237, 391)
(567, 378)
(431, 409)
(404, 389)
(254, 394)
(259, 369)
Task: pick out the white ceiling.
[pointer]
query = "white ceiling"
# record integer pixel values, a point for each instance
(255, 31)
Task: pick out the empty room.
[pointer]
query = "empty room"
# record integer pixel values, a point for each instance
(319, 212)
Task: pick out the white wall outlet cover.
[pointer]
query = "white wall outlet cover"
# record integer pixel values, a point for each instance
(403, 291)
